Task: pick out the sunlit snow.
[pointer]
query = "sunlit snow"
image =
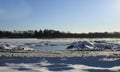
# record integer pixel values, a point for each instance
(52, 55)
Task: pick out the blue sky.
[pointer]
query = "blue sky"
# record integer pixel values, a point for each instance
(64, 15)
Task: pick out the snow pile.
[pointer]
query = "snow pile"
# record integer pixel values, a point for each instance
(11, 47)
(94, 45)
(7, 46)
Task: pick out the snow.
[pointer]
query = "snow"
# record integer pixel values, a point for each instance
(60, 44)
(38, 44)
(61, 61)
(56, 58)
(90, 45)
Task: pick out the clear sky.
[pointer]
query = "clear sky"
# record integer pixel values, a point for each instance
(64, 15)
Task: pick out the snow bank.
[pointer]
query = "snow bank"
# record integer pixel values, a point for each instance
(13, 48)
(94, 45)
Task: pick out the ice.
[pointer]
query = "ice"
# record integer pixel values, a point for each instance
(38, 44)
(101, 45)
(61, 44)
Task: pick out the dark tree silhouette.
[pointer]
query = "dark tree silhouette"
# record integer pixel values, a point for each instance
(55, 34)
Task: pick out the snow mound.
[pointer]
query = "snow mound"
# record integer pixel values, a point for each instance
(7, 46)
(94, 45)
(25, 48)
(14, 48)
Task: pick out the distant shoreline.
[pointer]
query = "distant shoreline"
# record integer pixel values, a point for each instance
(63, 38)
(41, 34)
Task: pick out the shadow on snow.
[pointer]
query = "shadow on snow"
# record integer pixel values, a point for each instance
(60, 64)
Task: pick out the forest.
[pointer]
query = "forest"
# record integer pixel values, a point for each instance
(46, 33)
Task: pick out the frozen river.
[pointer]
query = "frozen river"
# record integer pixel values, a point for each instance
(50, 44)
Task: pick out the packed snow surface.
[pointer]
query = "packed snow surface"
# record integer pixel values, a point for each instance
(61, 61)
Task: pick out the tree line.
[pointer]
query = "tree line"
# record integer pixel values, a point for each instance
(56, 34)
